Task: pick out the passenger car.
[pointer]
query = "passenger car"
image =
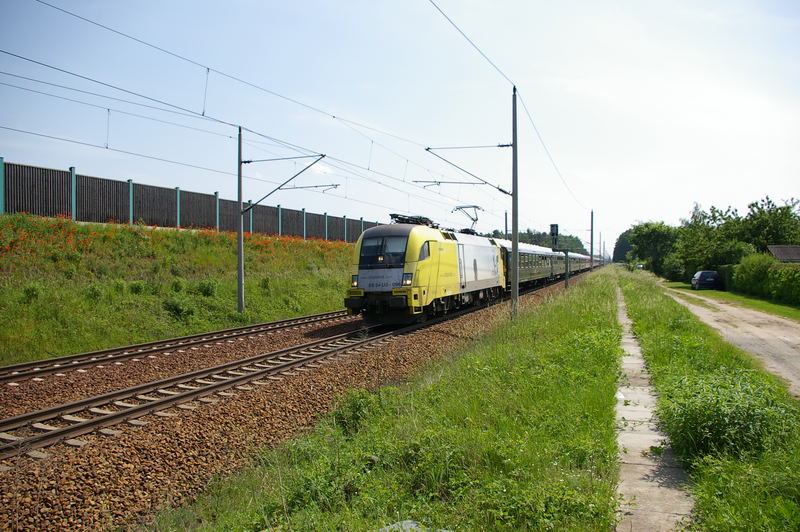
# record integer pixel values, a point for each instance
(706, 279)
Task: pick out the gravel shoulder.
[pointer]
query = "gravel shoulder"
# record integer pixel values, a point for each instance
(774, 340)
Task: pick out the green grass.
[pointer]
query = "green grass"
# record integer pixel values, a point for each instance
(516, 432)
(734, 425)
(68, 288)
(752, 302)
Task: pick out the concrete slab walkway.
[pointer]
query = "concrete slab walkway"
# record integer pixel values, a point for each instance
(652, 481)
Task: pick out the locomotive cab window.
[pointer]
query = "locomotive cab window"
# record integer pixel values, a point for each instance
(424, 251)
(384, 252)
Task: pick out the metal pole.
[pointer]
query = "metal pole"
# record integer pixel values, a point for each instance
(216, 209)
(2, 186)
(240, 228)
(362, 224)
(304, 222)
(178, 206)
(280, 221)
(505, 235)
(73, 192)
(326, 225)
(514, 211)
(345, 228)
(591, 241)
(250, 210)
(130, 201)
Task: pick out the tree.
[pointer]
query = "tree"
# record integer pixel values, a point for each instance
(651, 242)
(622, 247)
(767, 224)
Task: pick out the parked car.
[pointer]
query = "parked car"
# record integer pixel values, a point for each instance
(706, 279)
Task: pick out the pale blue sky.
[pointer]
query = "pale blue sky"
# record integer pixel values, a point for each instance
(647, 107)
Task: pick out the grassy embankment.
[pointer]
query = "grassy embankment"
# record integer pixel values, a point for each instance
(753, 302)
(733, 424)
(68, 288)
(515, 432)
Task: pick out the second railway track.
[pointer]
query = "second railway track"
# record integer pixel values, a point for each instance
(39, 368)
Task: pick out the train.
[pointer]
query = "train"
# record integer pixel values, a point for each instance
(411, 269)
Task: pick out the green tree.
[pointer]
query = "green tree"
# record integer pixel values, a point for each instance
(651, 242)
(622, 247)
(767, 223)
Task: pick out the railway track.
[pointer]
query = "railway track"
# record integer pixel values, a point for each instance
(25, 433)
(36, 369)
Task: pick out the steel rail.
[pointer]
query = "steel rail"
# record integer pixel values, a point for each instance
(330, 347)
(299, 357)
(38, 368)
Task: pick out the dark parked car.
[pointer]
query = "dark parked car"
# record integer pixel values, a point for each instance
(706, 279)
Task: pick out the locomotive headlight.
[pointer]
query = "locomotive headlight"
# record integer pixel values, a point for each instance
(354, 281)
(407, 279)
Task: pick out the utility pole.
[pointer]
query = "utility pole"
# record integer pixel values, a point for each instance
(514, 210)
(240, 228)
(505, 235)
(591, 241)
(600, 249)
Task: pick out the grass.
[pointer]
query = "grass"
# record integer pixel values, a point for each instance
(734, 425)
(515, 432)
(752, 302)
(68, 288)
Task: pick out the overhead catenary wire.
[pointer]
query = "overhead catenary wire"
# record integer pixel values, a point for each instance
(188, 112)
(525, 107)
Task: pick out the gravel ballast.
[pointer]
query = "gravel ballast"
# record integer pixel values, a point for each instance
(29, 395)
(121, 481)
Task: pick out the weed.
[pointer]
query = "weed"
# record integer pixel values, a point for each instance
(31, 293)
(178, 285)
(207, 287)
(178, 308)
(136, 287)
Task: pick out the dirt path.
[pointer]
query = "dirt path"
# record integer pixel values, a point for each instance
(775, 340)
(652, 482)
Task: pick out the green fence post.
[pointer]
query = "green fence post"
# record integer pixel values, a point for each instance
(2, 186)
(74, 192)
(304, 223)
(280, 224)
(326, 226)
(345, 228)
(250, 210)
(216, 209)
(178, 201)
(130, 201)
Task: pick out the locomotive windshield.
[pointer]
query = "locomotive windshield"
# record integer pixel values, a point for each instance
(383, 252)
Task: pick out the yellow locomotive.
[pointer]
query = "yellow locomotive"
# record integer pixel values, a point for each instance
(412, 269)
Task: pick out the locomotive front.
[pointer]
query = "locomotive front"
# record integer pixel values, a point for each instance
(382, 284)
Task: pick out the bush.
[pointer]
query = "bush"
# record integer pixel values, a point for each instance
(94, 292)
(119, 286)
(726, 272)
(207, 287)
(730, 412)
(178, 285)
(353, 410)
(784, 283)
(179, 308)
(752, 275)
(136, 287)
(31, 293)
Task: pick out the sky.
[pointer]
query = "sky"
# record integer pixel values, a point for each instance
(642, 108)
